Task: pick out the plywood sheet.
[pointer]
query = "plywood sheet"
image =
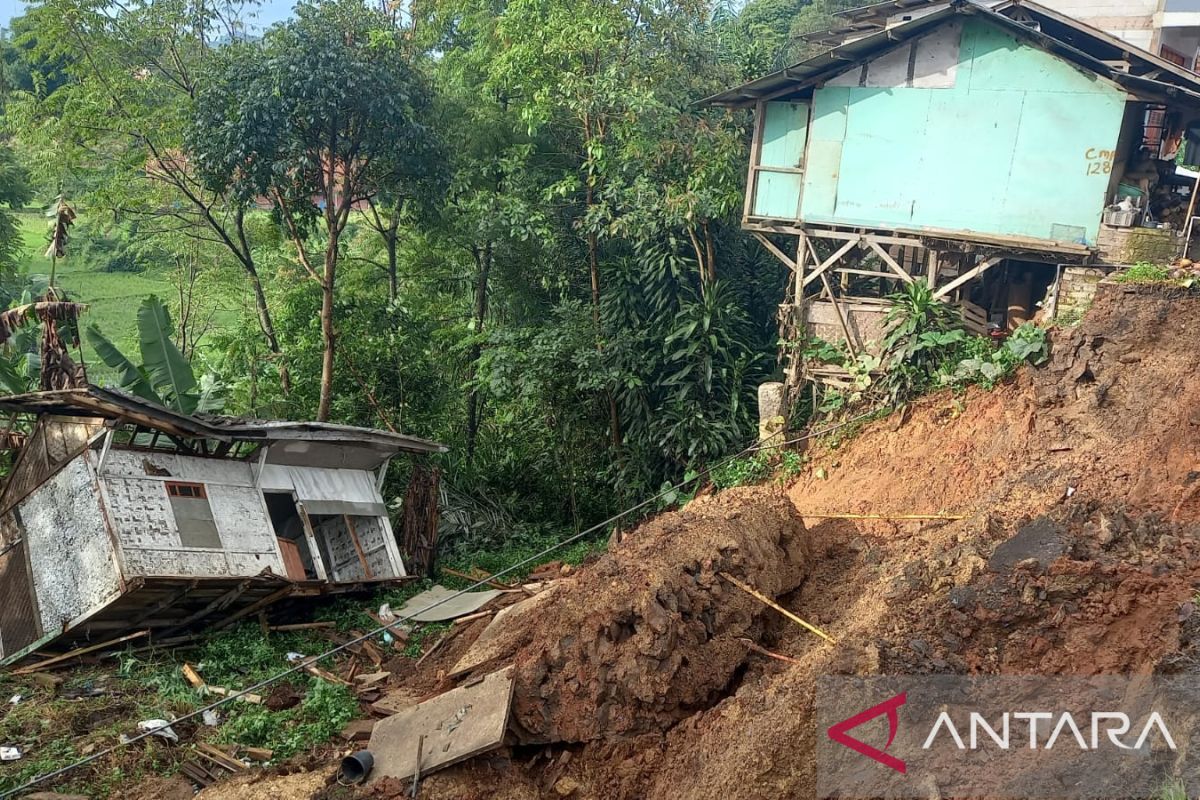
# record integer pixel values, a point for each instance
(497, 639)
(456, 725)
(453, 607)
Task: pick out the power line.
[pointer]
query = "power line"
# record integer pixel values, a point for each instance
(303, 665)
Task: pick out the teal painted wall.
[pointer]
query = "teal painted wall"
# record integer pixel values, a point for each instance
(992, 135)
(785, 126)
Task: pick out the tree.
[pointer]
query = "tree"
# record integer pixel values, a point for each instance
(106, 120)
(323, 115)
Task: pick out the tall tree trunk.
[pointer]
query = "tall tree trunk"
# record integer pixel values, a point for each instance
(393, 279)
(483, 266)
(328, 337)
(614, 417)
(246, 258)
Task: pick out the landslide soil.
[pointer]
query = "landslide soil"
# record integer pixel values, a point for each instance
(1077, 553)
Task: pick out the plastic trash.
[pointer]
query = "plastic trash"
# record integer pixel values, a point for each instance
(386, 614)
(10, 753)
(15, 699)
(211, 718)
(293, 657)
(158, 727)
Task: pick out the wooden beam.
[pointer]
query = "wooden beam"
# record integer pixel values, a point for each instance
(775, 251)
(216, 605)
(931, 269)
(887, 259)
(827, 263)
(971, 274)
(255, 607)
(358, 548)
(825, 233)
(311, 537)
(164, 604)
(76, 653)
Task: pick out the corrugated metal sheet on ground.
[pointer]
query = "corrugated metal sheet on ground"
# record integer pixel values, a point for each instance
(460, 606)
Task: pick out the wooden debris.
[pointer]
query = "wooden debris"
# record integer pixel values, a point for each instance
(218, 757)
(57, 661)
(258, 753)
(317, 672)
(358, 730)
(436, 645)
(192, 677)
(764, 651)
(396, 628)
(372, 678)
(221, 691)
(455, 725)
(303, 626)
(473, 617)
(769, 602)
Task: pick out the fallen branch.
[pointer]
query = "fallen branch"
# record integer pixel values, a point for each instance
(769, 602)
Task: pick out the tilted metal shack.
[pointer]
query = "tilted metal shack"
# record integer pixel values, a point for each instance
(120, 515)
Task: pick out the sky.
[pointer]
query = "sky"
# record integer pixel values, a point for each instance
(270, 11)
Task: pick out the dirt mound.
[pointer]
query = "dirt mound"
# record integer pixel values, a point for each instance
(649, 633)
(1078, 553)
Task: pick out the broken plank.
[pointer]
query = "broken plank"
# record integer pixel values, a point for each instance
(219, 604)
(457, 725)
(191, 676)
(303, 626)
(221, 691)
(473, 617)
(57, 660)
(255, 607)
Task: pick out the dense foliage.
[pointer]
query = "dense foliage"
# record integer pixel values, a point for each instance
(506, 226)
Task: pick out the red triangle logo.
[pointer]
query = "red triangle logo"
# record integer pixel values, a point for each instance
(838, 733)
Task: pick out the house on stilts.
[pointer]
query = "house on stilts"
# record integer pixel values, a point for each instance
(1006, 154)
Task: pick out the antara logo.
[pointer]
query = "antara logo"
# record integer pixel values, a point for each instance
(838, 732)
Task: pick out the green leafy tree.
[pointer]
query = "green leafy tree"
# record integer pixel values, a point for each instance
(325, 113)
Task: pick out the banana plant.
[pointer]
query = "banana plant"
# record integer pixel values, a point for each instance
(164, 376)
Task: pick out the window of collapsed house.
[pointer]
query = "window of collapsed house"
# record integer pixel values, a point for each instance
(193, 515)
(1153, 169)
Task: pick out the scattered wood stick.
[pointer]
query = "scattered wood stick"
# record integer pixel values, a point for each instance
(221, 691)
(762, 598)
(82, 651)
(888, 517)
(482, 576)
(303, 626)
(219, 757)
(441, 641)
(764, 651)
(473, 617)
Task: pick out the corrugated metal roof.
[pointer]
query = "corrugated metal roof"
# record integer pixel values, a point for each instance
(1075, 41)
(113, 404)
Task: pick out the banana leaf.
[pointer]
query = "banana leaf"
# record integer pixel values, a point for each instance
(129, 376)
(169, 372)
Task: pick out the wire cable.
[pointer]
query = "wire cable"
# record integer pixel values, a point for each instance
(303, 665)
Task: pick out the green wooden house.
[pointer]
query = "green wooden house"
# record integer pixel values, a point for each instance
(980, 148)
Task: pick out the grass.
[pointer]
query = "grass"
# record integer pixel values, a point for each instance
(112, 297)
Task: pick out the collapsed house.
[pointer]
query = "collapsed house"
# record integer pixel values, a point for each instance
(1006, 154)
(122, 516)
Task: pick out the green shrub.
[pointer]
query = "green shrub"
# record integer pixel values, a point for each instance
(741, 471)
(1144, 272)
(1027, 344)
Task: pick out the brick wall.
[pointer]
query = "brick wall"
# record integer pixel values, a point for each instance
(1127, 246)
(1077, 289)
